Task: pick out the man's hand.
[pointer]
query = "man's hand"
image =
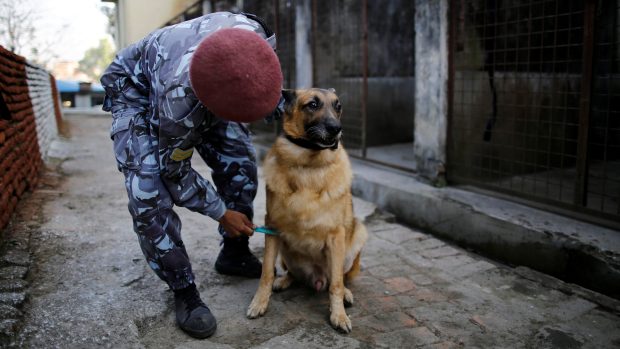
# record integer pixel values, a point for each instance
(236, 223)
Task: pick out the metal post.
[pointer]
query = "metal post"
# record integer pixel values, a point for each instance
(276, 5)
(207, 7)
(276, 13)
(452, 48)
(581, 183)
(365, 73)
(313, 25)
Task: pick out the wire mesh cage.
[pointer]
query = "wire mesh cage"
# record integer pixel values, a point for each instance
(527, 116)
(603, 181)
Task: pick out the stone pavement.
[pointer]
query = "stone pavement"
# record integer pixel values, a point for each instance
(88, 285)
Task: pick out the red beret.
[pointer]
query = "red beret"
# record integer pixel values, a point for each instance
(236, 74)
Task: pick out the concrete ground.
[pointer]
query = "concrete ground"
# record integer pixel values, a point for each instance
(90, 287)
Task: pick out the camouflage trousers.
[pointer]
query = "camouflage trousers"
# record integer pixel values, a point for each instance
(233, 164)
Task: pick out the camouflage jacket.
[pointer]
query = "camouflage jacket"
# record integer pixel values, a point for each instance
(150, 79)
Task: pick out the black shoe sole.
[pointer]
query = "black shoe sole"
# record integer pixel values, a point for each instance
(200, 334)
(236, 271)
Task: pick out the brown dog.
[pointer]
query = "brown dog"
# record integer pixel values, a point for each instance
(308, 178)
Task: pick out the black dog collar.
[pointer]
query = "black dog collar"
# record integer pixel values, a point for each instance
(304, 143)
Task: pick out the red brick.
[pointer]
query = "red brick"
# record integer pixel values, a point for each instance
(399, 284)
(10, 131)
(9, 188)
(34, 182)
(384, 322)
(428, 295)
(21, 188)
(4, 199)
(376, 305)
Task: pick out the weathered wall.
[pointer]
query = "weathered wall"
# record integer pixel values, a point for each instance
(431, 94)
(27, 123)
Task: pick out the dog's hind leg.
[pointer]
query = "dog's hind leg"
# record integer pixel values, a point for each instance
(354, 271)
(283, 282)
(348, 297)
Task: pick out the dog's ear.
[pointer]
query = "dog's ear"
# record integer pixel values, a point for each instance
(289, 95)
(289, 99)
(332, 90)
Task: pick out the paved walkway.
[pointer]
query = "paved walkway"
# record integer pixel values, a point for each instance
(90, 287)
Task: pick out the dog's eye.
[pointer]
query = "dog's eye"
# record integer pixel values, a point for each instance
(338, 107)
(312, 105)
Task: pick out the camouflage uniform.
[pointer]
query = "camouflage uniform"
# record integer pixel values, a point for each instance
(157, 123)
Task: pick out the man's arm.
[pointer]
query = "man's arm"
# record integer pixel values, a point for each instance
(190, 190)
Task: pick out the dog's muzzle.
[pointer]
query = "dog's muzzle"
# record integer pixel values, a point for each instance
(326, 133)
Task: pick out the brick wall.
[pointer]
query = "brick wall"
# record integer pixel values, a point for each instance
(27, 124)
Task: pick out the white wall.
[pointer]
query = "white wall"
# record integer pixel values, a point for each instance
(40, 92)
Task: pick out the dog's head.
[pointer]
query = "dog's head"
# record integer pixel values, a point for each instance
(312, 118)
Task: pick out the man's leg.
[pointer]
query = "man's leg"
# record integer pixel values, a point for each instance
(159, 228)
(159, 232)
(228, 151)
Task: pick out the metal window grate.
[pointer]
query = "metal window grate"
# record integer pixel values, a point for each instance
(520, 106)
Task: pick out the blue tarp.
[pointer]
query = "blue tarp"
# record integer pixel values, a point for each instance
(73, 86)
(96, 88)
(67, 86)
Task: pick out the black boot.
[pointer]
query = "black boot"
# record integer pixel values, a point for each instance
(235, 258)
(193, 316)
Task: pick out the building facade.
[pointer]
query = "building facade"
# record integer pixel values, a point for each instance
(136, 18)
(514, 98)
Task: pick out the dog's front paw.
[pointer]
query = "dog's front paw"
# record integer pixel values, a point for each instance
(257, 307)
(341, 321)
